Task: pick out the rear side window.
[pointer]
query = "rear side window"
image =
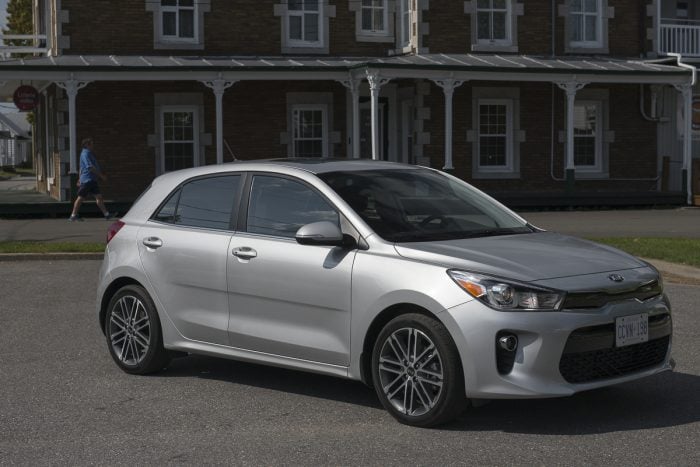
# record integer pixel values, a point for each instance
(205, 202)
(279, 207)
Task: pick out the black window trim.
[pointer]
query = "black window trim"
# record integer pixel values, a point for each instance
(235, 212)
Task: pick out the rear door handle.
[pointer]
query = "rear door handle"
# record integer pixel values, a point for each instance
(244, 252)
(153, 242)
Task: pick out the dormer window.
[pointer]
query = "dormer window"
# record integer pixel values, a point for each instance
(178, 20)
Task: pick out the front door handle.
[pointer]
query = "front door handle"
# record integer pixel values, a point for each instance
(153, 242)
(244, 252)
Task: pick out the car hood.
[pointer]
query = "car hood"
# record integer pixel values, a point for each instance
(525, 257)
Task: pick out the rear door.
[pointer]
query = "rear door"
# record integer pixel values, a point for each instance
(183, 249)
(285, 298)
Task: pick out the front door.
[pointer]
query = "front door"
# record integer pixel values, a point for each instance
(285, 298)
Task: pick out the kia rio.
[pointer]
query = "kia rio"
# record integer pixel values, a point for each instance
(400, 276)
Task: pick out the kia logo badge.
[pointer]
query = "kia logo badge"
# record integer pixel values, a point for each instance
(616, 278)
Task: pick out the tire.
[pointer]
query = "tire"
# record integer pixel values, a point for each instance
(424, 385)
(133, 332)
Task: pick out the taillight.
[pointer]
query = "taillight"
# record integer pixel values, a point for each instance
(113, 229)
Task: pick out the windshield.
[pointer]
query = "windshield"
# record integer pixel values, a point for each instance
(421, 205)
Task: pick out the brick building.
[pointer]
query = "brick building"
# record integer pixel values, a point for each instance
(544, 98)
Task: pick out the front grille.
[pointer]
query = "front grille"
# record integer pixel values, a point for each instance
(585, 367)
(579, 300)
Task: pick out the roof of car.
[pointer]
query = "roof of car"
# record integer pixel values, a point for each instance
(325, 165)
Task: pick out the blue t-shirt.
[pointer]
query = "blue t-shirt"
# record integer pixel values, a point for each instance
(87, 160)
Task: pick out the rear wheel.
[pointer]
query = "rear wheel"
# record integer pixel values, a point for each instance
(133, 332)
(417, 371)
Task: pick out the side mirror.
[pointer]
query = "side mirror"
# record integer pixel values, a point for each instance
(320, 233)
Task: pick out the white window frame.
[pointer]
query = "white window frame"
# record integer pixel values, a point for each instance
(584, 44)
(375, 32)
(597, 167)
(195, 124)
(324, 118)
(508, 26)
(405, 21)
(509, 166)
(176, 9)
(304, 43)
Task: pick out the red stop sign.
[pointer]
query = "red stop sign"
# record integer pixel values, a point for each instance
(26, 98)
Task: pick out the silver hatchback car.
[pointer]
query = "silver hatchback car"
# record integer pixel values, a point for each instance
(400, 276)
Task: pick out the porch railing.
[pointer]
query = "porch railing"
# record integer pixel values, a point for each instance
(681, 37)
(32, 44)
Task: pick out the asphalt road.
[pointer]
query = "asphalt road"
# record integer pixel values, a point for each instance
(63, 401)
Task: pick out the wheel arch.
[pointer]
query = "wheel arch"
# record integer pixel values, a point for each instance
(109, 292)
(378, 323)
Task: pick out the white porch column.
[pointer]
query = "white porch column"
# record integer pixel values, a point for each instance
(353, 85)
(375, 85)
(686, 91)
(72, 86)
(570, 87)
(448, 86)
(219, 86)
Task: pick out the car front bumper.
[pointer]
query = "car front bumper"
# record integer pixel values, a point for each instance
(542, 340)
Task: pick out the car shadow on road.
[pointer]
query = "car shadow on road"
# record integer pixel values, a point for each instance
(665, 400)
(277, 379)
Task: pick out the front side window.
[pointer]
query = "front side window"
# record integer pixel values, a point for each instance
(494, 138)
(309, 131)
(206, 203)
(415, 205)
(179, 138)
(178, 20)
(585, 17)
(374, 16)
(493, 21)
(280, 206)
(304, 22)
(587, 135)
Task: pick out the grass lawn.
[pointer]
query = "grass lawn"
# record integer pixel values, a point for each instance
(16, 172)
(45, 247)
(675, 250)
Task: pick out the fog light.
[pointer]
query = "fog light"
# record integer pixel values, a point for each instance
(508, 342)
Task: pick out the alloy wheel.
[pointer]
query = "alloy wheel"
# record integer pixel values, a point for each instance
(129, 330)
(411, 371)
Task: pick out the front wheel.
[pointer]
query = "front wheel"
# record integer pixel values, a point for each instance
(133, 332)
(417, 372)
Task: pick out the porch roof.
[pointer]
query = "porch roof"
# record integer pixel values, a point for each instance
(430, 66)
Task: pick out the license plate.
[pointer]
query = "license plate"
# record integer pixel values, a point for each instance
(631, 329)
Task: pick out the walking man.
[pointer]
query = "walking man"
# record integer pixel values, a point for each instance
(87, 183)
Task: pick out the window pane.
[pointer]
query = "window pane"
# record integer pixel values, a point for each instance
(311, 27)
(295, 27)
(576, 5)
(492, 151)
(576, 27)
(483, 4)
(483, 25)
(168, 2)
(499, 25)
(167, 212)
(591, 28)
(584, 151)
(187, 23)
(294, 4)
(311, 5)
(590, 6)
(499, 4)
(281, 206)
(379, 19)
(367, 19)
(208, 202)
(186, 3)
(169, 28)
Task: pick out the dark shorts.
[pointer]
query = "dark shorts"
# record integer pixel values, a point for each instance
(89, 188)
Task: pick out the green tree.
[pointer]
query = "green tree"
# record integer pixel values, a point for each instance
(19, 21)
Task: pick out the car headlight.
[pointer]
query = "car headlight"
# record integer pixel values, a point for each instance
(508, 295)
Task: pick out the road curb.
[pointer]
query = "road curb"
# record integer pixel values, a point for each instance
(49, 256)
